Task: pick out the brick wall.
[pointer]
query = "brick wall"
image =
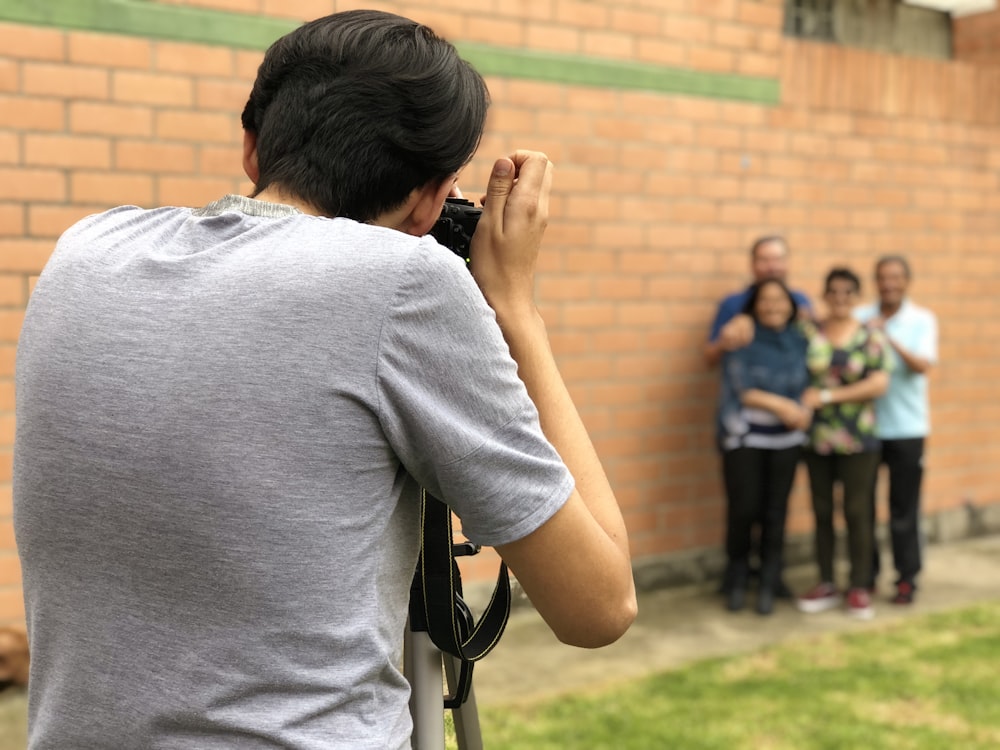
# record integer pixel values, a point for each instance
(657, 196)
(977, 38)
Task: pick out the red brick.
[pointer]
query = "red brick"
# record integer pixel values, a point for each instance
(11, 220)
(32, 184)
(227, 96)
(32, 42)
(448, 24)
(10, 570)
(134, 87)
(9, 75)
(304, 10)
(687, 29)
(582, 14)
(761, 65)
(740, 38)
(758, 14)
(24, 113)
(610, 44)
(714, 59)
(65, 81)
(24, 256)
(11, 605)
(551, 38)
(13, 292)
(661, 52)
(111, 188)
(52, 221)
(110, 119)
(490, 28)
(191, 191)
(193, 59)
(66, 151)
(109, 49)
(198, 127)
(10, 325)
(634, 21)
(154, 156)
(8, 356)
(245, 65)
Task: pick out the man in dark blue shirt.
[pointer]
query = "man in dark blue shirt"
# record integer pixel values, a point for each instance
(731, 329)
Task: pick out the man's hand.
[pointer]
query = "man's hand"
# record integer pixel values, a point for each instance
(737, 333)
(509, 234)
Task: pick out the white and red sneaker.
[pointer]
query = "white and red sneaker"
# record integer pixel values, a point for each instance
(819, 598)
(859, 604)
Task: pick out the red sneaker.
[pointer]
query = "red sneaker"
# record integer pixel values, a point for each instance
(904, 593)
(819, 598)
(859, 604)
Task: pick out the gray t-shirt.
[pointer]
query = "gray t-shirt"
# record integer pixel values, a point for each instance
(223, 420)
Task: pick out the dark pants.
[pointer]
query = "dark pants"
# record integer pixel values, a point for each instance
(856, 474)
(905, 462)
(758, 483)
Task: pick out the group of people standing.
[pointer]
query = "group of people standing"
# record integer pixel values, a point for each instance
(845, 392)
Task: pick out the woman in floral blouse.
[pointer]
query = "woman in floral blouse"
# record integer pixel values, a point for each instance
(848, 369)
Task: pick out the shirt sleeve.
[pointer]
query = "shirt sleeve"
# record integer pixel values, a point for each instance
(454, 410)
(726, 311)
(927, 343)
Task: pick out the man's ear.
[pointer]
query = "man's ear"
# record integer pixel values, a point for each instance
(250, 156)
(424, 206)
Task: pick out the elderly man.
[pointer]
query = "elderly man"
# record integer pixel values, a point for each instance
(903, 413)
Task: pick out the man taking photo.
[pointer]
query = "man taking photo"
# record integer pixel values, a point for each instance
(225, 416)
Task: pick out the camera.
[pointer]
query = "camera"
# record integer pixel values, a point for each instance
(455, 226)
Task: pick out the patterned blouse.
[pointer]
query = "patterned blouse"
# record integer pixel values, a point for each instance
(848, 427)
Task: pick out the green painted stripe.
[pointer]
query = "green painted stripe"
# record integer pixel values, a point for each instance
(587, 71)
(183, 23)
(149, 19)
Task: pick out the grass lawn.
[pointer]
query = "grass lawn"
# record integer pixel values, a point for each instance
(928, 683)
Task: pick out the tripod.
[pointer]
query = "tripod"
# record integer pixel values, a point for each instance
(442, 633)
(422, 663)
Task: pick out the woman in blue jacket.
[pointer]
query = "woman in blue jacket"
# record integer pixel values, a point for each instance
(761, 429)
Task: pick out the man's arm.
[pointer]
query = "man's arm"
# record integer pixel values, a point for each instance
(736, 333)
(576, 568)
(920, 362)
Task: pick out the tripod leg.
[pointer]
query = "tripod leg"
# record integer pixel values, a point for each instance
(467, 731)
(422, 664)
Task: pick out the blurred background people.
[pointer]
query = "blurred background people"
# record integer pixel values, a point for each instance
(903, 414)
(848, 370)
(761, 425)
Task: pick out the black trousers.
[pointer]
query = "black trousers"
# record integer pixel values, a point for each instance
(905, 462)
(758, 483)
(856, 473)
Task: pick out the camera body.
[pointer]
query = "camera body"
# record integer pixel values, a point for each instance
(456, 225)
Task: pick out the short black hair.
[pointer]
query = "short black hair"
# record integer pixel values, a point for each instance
(355, 110)
(842, 274)
(886, 260)
(766, 239)
(755, 290)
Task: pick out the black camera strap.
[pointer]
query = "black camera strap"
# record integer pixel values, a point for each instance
(445, 616)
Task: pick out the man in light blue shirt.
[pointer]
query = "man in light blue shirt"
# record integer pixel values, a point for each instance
(903, 413)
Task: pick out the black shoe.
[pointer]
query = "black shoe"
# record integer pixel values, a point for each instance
(765, 601)
(781, 591)
(736, 599)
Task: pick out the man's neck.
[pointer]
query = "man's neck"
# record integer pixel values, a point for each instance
(888, 311)
(274, 195)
